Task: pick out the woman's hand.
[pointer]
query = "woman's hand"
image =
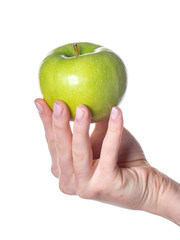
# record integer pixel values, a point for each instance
(108, 166)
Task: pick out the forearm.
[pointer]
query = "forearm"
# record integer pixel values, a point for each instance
(169, 203)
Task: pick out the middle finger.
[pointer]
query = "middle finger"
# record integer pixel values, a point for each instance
(81, 145)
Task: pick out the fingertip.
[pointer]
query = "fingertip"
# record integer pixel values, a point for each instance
(86, 111)
(55, 171)
(42, 106)
(38, 106)
(38, 99)
(61, 109)
(58, 102)
(116, 113)
(61, 104)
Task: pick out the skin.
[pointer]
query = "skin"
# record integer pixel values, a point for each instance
(108, 166)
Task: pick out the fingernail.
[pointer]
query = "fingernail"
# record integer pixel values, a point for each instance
(57, 109)
(114, 113)
(79, 113)
(39, 107)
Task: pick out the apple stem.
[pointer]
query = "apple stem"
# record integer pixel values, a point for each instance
(76, 49)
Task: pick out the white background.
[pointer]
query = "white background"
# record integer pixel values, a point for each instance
(146, 35)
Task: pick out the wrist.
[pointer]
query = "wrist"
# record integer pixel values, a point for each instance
(168, 205)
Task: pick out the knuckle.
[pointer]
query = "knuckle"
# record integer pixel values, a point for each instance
(86, 194)
(82, 194)
(78, 156)
(100, 187)
(114, 130)
(61, 148)
(78, 130)
(92, 192)
(108, 151)
(103, 168)
(83, 191)
(58, 125)
(49, 140)
(46, 120)
(55, 171)
(64, 188)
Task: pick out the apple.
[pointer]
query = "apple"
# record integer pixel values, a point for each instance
(83, 73)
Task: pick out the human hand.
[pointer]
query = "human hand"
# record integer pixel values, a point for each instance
(108, 166)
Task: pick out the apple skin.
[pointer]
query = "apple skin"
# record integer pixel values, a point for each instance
(96, 78)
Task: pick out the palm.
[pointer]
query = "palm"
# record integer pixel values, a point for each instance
(133, 167)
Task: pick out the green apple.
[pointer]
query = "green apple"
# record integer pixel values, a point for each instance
(83, 73)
